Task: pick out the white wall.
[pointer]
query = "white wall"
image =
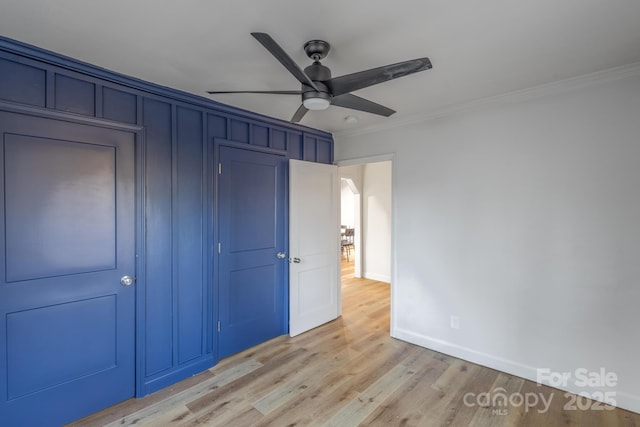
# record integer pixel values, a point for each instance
(347, 215)
(353, 172)
(523, 219)
(376, 215)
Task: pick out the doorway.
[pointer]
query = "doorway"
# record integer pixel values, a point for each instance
(366, 206)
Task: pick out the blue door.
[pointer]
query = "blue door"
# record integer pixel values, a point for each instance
(67, 199)
(252, 291)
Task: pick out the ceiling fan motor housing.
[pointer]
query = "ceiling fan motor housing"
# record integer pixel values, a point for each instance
(319, 74)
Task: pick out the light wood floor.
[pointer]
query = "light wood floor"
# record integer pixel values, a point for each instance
(346, 373)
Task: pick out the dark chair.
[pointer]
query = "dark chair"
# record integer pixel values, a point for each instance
(346, 241)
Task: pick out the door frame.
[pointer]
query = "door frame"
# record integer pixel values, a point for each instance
(375, 159)
(139, 237)
(215, 222)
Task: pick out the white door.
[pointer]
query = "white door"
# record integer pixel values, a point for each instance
(314, 245)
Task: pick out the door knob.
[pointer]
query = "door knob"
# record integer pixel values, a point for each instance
(281, 255)
(126, 281)
(296, 260)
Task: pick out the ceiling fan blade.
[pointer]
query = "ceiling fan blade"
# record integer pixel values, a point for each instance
(275, 49)
(273, 92)
(348, 100)
(362, 79)
(302, 110)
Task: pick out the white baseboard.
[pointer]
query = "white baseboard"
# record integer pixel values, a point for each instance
(624, 400)
(378, 277)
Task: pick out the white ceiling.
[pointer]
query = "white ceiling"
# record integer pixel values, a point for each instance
(478, 48)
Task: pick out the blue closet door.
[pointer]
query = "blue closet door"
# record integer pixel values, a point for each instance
(251, 284)
(68, 236)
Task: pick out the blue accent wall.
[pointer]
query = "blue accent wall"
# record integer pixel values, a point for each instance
(175, 291)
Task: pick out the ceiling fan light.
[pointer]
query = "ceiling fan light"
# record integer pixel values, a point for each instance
(316, 103)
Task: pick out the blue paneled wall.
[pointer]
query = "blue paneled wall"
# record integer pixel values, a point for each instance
(176, 305)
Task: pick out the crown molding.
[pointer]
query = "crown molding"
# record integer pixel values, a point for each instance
(518, 96)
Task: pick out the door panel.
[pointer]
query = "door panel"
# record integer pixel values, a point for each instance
(251, 282)
(66, 187)
(53, 330)
(314, 240)
(66, 323)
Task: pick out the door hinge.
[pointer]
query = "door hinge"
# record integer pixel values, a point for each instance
(219, 247)
(219, 168)
(218, 326)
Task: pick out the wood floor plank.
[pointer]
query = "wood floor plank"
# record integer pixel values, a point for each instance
(165, 410)
(258, 378)
(262, 353)
(498, 413)
(461, 413)
(554, 416)
(331, 390)
(289, 390)
(130, 406)
(406, 406)
(358, 409)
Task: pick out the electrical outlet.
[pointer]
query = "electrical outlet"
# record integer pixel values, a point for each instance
(455, 322)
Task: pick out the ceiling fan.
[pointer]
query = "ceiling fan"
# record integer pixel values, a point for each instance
(319, 89)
